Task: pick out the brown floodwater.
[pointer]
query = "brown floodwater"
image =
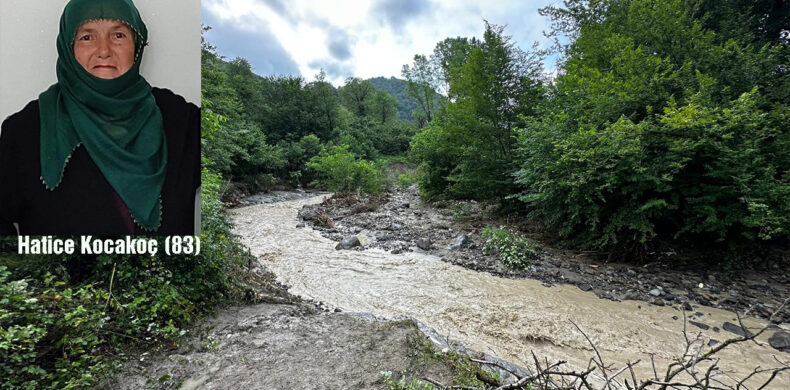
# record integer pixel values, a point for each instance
(506, 318)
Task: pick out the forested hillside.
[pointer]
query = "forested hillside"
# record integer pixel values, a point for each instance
(665, 122)
(286, 131)
(398, 88)
(668, 121)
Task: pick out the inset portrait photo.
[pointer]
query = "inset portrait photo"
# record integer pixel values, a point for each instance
(100, 117)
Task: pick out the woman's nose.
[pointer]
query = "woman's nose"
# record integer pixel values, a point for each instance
(103, 47)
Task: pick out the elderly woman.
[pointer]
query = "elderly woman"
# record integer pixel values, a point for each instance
(100, 152)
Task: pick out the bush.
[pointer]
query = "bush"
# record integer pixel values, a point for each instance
(513, 249)
(697, 172)
(339, 171)
(406, 180)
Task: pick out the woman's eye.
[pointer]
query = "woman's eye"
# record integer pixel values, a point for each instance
(120, 35)
(85, 37)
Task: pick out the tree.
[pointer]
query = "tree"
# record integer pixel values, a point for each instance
(492, 89)
(326, 104)
(383, 107)
(448, 55)
(356, 95)
(663, 123)
(422, 79)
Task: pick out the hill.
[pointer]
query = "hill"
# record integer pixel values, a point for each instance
(397, 88)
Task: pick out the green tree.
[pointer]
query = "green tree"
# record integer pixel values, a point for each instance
(422, 79)
(326, 105)
(492, 89)
(383, 107)
(339, 171)
(663, 123)
(356, 95)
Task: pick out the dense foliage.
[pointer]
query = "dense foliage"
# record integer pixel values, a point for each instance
(339, 171)
(275, 125)
(666, 121)
(467, 151)
(661, 126)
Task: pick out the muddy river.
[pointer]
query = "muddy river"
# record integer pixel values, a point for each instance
(506, 318)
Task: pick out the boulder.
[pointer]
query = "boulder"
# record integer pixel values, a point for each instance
(655, 292)
(348, 243)
(423, 243)
(781, 341)
(308, 213)
(459, 242)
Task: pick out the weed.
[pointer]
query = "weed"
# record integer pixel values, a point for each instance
(514, 249)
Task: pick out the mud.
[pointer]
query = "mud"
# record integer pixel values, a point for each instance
(397, 222)
(270, 346)
(505, 317)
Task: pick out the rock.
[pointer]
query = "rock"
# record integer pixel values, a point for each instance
(675, 318)
(307, 213)
(423, 243)
(348, 243)
(259, 343)
(397, 251)
(459, 242)
(655, 292)
(781, 341)
(632, 296)
(585, 287)
(713, 342)
(363, 239)
(699, 325)
(687, 306)
(657, 302)
(669, 297)
(300, 225)
(732, 328)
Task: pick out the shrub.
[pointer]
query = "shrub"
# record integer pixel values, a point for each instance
(513, 249)
(697, 172)
(339, 171)
(406, 180)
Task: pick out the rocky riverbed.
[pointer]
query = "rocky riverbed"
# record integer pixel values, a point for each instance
(400, 222)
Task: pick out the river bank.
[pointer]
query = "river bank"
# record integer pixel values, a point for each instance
(505, 317)
(401, 222)
(341, 322)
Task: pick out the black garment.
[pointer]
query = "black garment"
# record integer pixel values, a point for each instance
(84, 202)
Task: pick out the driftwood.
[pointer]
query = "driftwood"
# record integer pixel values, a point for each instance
(600, 376)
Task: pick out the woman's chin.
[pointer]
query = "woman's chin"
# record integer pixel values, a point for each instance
(106, 73)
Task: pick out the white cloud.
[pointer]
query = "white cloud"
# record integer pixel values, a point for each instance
(378, 44)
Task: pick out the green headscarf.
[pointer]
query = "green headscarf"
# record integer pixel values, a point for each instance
(116, 120)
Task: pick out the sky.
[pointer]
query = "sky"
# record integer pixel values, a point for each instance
(360, 38)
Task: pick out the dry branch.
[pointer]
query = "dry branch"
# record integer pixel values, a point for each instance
(549, 376)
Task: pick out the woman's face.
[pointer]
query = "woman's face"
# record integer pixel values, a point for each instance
(105, 48)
